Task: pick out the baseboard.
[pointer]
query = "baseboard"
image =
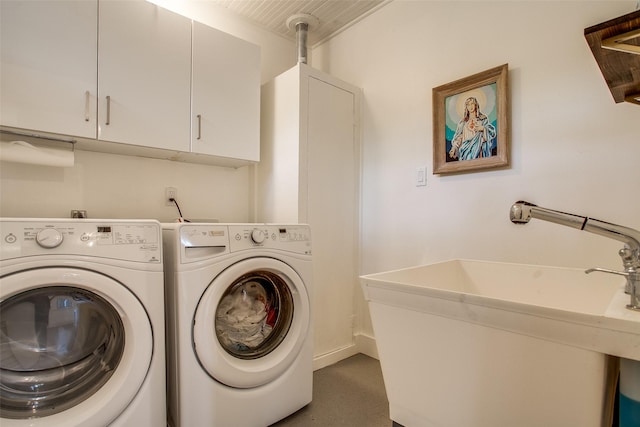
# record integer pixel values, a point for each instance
(364, 344)
(327, 359)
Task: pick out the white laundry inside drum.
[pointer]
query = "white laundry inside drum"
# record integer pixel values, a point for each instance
(254, 315)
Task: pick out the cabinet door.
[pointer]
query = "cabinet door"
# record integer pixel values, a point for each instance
(226, 95)
(331, 209)
(48, 66)
(144, 66)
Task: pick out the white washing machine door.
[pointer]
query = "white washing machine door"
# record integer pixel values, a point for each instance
(75, 348)
(251, 322)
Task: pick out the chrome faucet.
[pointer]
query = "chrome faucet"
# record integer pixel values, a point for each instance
(521, 212)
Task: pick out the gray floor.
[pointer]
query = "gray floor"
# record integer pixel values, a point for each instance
(349, 393)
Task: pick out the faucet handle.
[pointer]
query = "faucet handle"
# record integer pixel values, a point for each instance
(632, 279)
(606, 270)
(630, 259)
(627, 288)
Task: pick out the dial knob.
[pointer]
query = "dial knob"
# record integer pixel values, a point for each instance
(49, 238)
(257, 236)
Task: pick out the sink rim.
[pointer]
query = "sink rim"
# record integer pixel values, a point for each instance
(616, 322)
(477, 286)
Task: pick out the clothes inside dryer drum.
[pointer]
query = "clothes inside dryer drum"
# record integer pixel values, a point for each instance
(58, 346)
(254, 315)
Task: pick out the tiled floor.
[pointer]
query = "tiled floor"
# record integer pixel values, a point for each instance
(350, 393)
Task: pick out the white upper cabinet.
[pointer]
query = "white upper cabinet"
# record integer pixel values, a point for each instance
(48, 66)
(130, 72)
(226, 95)
(144, 75)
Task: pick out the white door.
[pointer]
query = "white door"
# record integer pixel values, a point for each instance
(226, 95)
(75, 348)
(48, 75)
(331, 209)
(251, 322)
(144, 66)
(310, 174)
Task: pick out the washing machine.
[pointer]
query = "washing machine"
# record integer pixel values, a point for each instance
(240, 344)
(81, 323)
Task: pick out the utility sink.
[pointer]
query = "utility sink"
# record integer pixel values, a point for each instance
(493, 344)
(563, 305)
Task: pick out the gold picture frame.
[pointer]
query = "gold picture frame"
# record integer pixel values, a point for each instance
(470, 123)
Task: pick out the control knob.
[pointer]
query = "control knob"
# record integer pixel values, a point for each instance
(257, 236)
(49, 238)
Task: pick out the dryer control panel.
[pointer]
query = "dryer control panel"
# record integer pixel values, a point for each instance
(128, 240)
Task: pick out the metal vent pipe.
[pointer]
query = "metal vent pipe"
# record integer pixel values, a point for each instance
(301, 23)
(301, 41)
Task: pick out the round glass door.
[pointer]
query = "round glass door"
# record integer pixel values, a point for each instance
(254, 315)
(59, 345)
(75, 347)
(251, 322)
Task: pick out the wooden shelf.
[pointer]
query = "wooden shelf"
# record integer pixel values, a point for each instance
(620, 66)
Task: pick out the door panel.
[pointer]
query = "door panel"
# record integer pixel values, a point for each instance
(44, 310)
(232, 337)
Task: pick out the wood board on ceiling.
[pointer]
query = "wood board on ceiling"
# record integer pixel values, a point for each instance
(619, 65)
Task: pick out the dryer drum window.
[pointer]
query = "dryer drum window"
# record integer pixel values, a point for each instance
(254, 314)
(58, 346)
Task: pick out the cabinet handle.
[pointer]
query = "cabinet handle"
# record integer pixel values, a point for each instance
(199, 116)
(108, 122)
(87, 106)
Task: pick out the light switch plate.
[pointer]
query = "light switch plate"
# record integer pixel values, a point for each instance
(421, 176)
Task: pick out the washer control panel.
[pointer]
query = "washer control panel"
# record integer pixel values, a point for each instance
(135, 240)
(204, 240)
(293, 238)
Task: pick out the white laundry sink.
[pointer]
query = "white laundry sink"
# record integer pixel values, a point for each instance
(484, 343)
(563, 305)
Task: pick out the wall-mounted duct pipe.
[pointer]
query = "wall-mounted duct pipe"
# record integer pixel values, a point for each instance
(301, 23)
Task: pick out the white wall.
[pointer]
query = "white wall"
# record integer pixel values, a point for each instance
(573, 148)
(113, 186)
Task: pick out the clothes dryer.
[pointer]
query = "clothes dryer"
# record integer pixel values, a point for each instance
(81, 323)
(239, 323)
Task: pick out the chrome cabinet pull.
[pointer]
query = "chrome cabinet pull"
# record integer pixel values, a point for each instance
(87, 106)
(108, 122)
(199, 116)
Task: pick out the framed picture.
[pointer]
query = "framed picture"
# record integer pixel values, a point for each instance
(470, 123)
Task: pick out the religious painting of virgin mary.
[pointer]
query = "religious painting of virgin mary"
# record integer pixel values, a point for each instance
(470, 128)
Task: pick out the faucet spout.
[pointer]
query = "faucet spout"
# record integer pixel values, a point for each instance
(521, 212)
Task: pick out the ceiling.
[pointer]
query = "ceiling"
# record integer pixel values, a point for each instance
(332, 15)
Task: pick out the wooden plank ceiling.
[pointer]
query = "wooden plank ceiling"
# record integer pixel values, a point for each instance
(333, 15)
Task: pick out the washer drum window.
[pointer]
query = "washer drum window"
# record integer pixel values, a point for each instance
(254, 315)
(58, 346)
(251, 322)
